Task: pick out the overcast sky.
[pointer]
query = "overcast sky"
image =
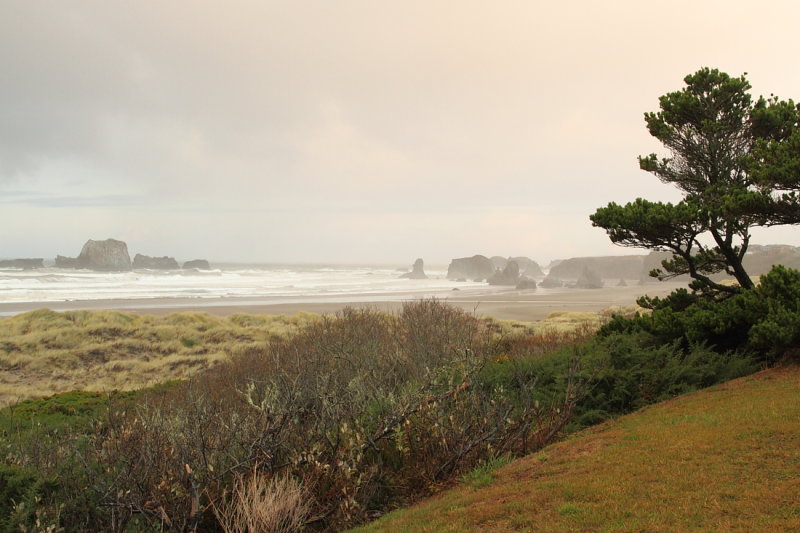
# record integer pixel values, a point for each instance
(351, 131)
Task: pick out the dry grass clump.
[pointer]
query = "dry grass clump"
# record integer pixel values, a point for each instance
(44, 352)
(566, 322)
(260, 503)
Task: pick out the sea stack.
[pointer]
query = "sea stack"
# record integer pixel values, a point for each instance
(199, 264)
(24, 264)
(589, 279)
(417, 271)
(108, 255)
(551, 282)
(155, 263)
(66, 262)
(508, 276)
(477, 267)
(526, 284)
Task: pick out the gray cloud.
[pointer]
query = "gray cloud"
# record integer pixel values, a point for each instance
(37, 199)
(349, 130)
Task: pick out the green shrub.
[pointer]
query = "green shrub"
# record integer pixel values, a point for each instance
(764, 320)
(17, 486)
(631, 373)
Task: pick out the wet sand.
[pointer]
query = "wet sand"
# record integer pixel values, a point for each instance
(499, 303)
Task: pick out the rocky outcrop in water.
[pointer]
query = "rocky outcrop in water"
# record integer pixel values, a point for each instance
(199, 264)
(417, 271)
(66, 262)
(155, 263)
(498, 262)
(24, 264)
(589, 279)
(526, 284)
(477, 267)
(528, 267)
(551, 282)
(108, 255)
(508, 276)
(619, 266)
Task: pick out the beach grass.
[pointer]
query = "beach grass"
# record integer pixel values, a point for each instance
(45, 352)
(725, 458)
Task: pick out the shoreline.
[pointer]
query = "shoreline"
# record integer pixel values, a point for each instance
(504, 304)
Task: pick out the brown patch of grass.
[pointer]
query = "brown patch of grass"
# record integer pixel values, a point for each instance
(725, 458)
(44, 352)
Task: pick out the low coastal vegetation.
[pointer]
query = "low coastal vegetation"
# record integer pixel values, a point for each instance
(45, 352)
(359, 412)
(341, 420)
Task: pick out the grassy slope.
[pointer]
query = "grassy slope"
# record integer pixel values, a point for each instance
(45, 352)
(725, 458)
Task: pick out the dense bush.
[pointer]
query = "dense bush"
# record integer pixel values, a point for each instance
(624, 372)
(361, 412)
(764, 320)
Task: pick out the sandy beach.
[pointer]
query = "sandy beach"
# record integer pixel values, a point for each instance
(499, 303)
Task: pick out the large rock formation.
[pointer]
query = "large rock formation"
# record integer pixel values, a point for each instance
(108, 255)
(760, 259)
(155, 263)
(528, 267)
(526, 284)
(199, 264)
(66, 262)
(618, 266)
(508, 276)
(477, 267)
(417, 271)
(589, 279)
(24, 264)
(551, 282)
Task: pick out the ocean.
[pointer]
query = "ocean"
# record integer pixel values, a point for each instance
(276, 283)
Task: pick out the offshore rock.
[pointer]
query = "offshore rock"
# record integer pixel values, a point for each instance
(526, 284)
(498, 262)
(155, 263)
(108, 255)
(417, 271)
(508, 276)
(66, 262)
(24, 264)
(199, 264)
(615, 266)
(551, 282)
(477, 267)
(528, 267)
(589, 279)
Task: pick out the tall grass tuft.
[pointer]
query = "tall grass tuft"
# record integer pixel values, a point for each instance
(261, 503)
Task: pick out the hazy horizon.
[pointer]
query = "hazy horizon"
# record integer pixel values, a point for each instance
(351, 132)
